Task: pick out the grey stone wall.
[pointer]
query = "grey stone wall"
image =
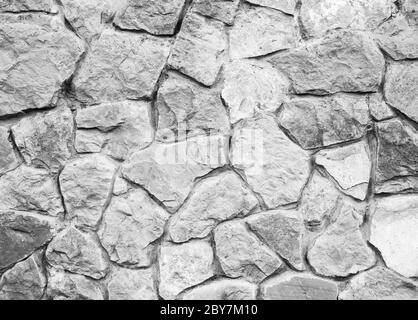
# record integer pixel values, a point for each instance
(225, 149)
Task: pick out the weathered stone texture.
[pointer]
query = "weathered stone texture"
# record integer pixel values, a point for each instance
(223, 289)
(223, 10)
(287, 6)
(8, 158)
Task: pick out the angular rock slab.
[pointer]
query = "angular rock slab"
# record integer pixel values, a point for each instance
(282, 231)
(317, 17)
(350, 166)
(126, 284)
(379, 284)
(341, 250)
(378, 107)
(86, 184)
(130, 225)
(183, 266)
(397, 156)
(393, 232)
(242, 254)
(38, 54)
(251, 87)
(78, 252)
(223, 10)
(123, 126)
(25, 281)
(88, 17)
(21, 233)
(184, 107)
(69, 286)
(258, 31)
(401, 88)
(8, 158)
(215, 199)
(168, 170)
(44, 140)
(154, 16)
(298, 286)
(223, 289)
(28, 5)
(30, 189)
(287, 6)
(274, 166)
(199, 48)
(342, 60)
(120, 66)
(316, 122)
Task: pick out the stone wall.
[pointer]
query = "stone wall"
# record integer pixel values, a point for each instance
(208, 149)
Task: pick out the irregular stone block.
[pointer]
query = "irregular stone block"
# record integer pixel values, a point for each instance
(410, 9)
(130, 225)
(242, 254)
(274, 166)
(316, 122)
(223, 10)
(8, 158)
(298, 286)
(86, 185)
(223, 289)
(215, 199)
(378, 107)
(120, 66)
(287, 6)
(342, 60)
(393, 232)
(46, 6)
(78, 252)
(199, 48)
(38, 54)
(258, 31)
(154, 16)
(251, 87)
(183, 266)
(89, 141)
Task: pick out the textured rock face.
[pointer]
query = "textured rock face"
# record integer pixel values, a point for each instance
(216, 199)
(242, 254)
(379, 284)
(316, 122)
(130, 225)
(183, 266)
(274, 166)
(8, 158)
(379, 109)
(287, 6)
(38, 54)
(410, 9)
(342, 60)
(293, 286)
(198, 49)
(393, 232)
(27, 5)
(258, 31)
(223, 289)
(223, 10)
(121, 66)
(154, 16)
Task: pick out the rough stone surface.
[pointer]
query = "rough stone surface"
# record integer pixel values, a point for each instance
(242, 254)
(379, 284)
(130, 225)
(25, 281)
(401, 88)
(78, 252)
(274, 166)
(298, 286)
(185, 107)
(183, 266)
(126, 284)
(410, 9)
(379, 109)
(86, 184)
(216, 199)
(159, 17)
(316, 122)
(38, 54)
(393, 232)
(223, 289)
(27, 5)
(44, 140)
(123, 127)
(168, 170)
(350, 166)
(121, 66)
(8, 158)
(342, 60)
(281, 230)
(252, 87)
(258, 31)
(198, 49)
(287, 6)
(223, 10)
